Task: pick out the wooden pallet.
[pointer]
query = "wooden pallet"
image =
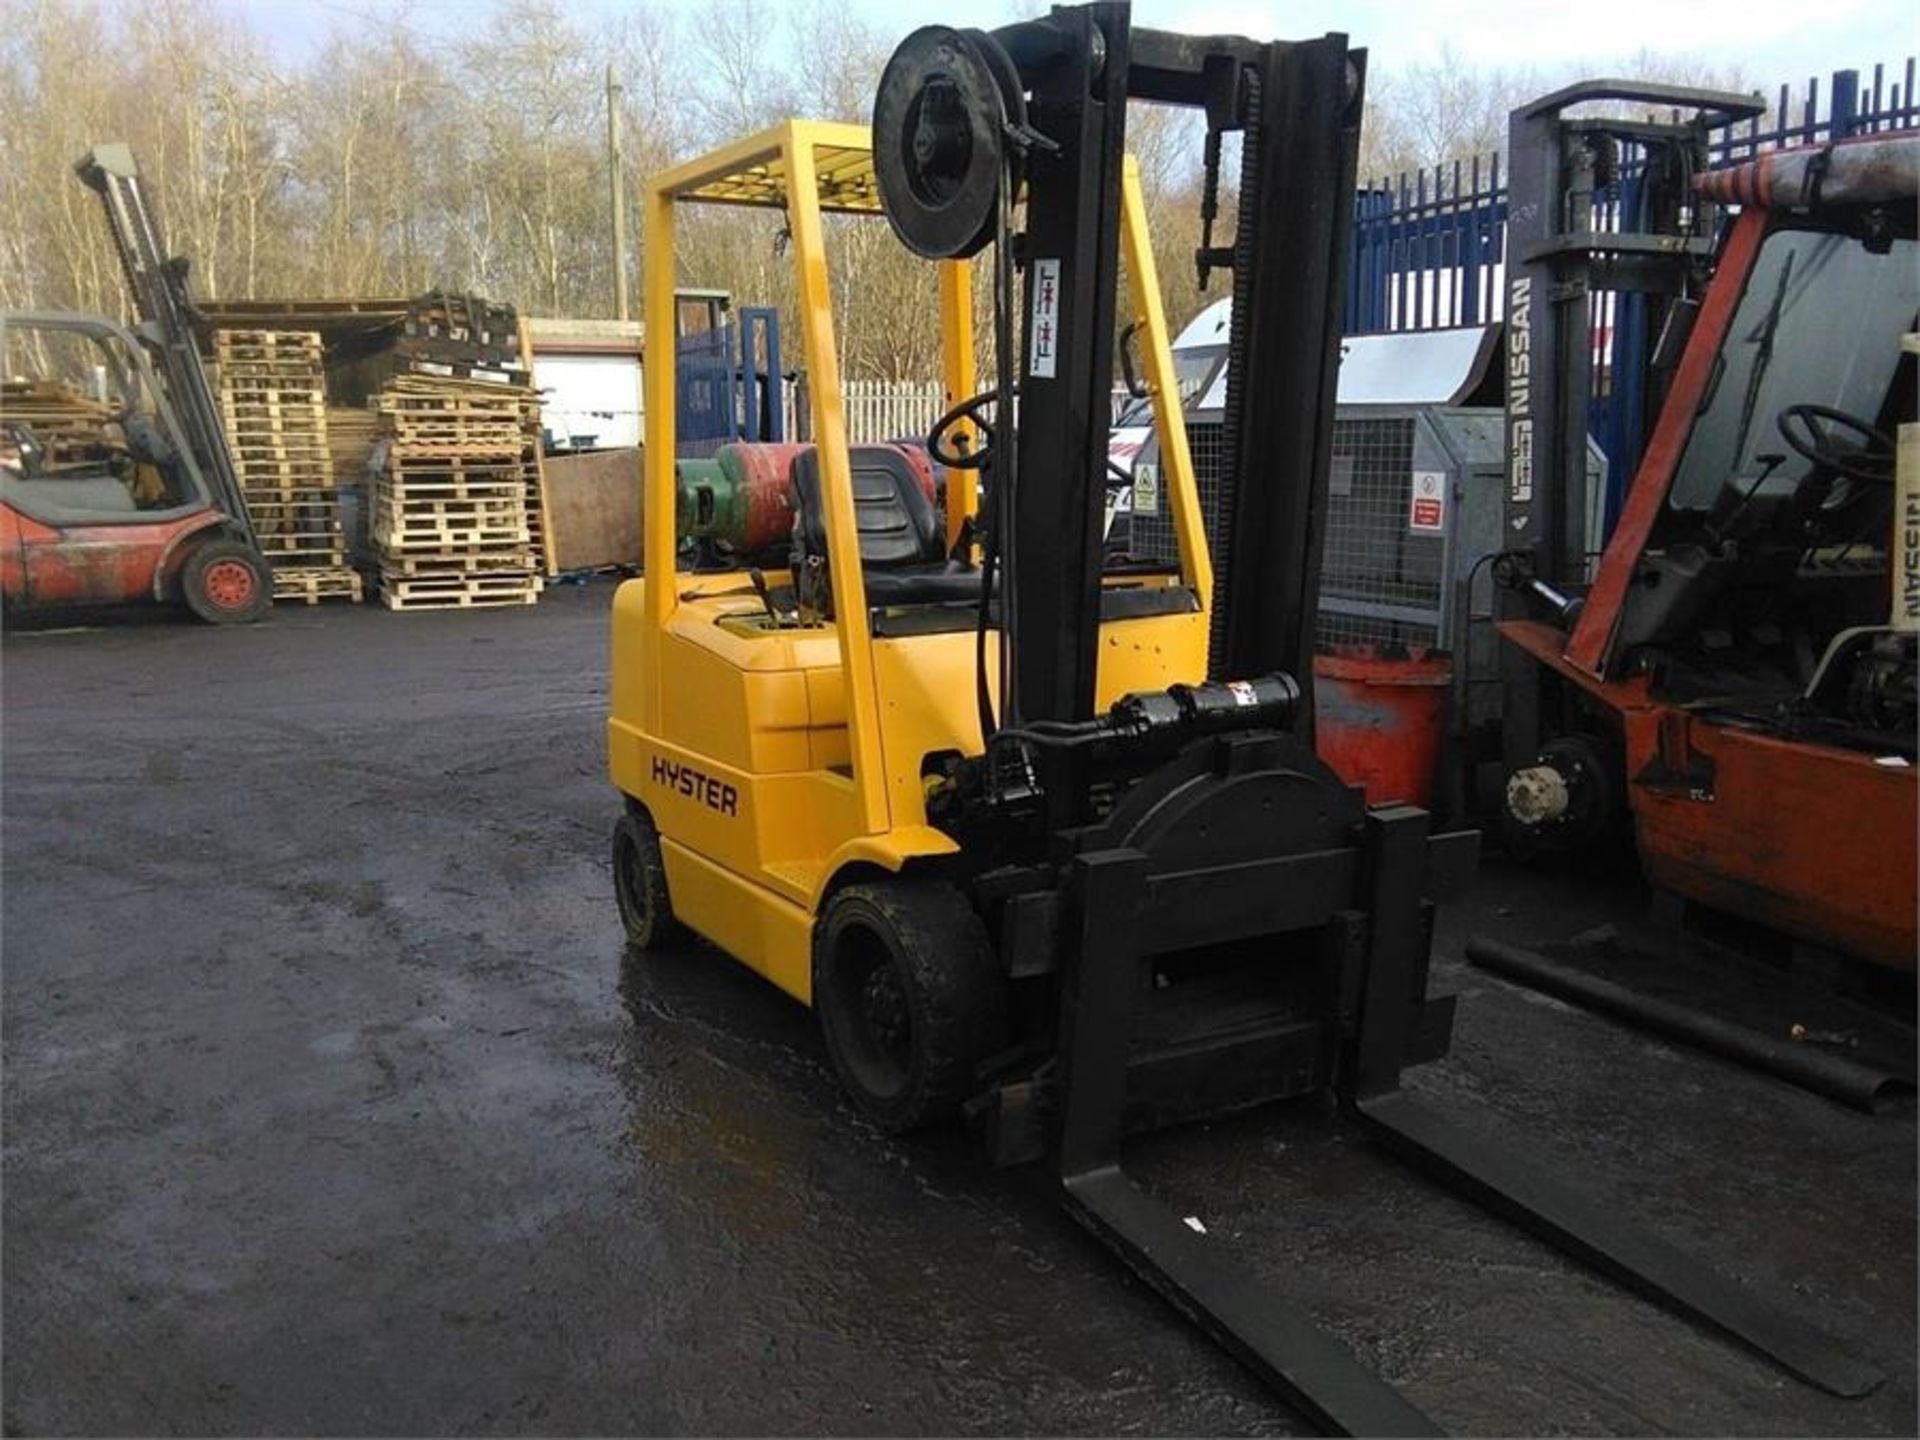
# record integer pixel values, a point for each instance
(444, 392)
(252, 392)
(293, 376)
(415, 390)
(282, 491)
(464, 371)
(405, 566)
(509, 513)
(451, 414)
(415, 506)
(291, 451)
(305, 534)
(272, 342)
(70, 424)
(455, 542)
(456, 602)
(317, 559)
(267, 473)
(317, 529)
(272, 403)
(464, 317)
(402, 592)
(331, 582)
(273, 412)
(273, 494)
(312, 504)
(451, 521)
(441, 392)
(460, 445)
(482, 480)
(404, 461)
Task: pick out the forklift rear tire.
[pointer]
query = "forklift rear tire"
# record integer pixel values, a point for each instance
(909, 997)
(225, 582)
(640, 884)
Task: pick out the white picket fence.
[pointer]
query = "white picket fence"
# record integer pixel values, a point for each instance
(893, 409)
(879, 410)
(882, 410)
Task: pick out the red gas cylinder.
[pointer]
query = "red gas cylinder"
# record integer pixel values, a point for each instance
(759, 514)
(1380, 719)
(744, 495)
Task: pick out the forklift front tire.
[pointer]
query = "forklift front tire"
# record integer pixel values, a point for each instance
(640, 883)
(909, 997)
(225, 582)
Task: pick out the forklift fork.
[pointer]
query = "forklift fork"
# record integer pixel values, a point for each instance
(1269, 1334)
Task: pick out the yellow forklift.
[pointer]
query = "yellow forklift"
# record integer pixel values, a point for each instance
(1038, 833)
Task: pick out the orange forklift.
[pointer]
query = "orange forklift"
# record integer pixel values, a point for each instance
(1735, 677)
(101, 502)
(116, 483)
(1731, 680)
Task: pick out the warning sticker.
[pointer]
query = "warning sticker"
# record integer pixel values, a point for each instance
(1146, 487)
(1045, 284)
(1427, 503)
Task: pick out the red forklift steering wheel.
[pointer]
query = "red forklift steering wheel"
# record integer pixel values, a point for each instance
(1803, 427)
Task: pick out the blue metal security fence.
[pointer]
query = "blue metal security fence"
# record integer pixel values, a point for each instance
(728, 381)
(1429, 249)
(1426, 246)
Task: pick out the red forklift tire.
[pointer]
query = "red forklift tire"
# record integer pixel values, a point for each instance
(640, 884)
(225, 582)
(909, 996)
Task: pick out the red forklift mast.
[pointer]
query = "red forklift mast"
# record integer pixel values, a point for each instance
(164, 303)
(1562, 267)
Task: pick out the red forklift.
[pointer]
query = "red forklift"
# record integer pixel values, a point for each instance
(101, 500)
(1731, 680)
(116, 483)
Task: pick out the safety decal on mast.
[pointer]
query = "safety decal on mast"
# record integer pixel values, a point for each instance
(1520, 403)
(1045, 330)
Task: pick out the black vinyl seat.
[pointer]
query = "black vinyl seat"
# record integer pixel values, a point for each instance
(902, 536)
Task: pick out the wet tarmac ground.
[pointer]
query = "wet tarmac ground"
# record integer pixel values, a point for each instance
(331, 1107)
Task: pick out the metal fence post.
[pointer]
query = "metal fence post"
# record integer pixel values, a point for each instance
(1843, 103)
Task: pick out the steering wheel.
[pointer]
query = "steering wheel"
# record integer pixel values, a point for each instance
(1804, 428)
(967, 410)
(26, 447)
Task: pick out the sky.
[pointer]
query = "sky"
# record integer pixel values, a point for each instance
(1771, 41)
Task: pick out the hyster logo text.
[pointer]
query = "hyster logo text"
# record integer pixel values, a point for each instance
(1910, 561)
(687, 781)
(1520, 391)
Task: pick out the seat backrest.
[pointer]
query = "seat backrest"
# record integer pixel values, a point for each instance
(892, 507)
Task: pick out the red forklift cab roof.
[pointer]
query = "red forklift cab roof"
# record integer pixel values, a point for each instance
(1871, 170)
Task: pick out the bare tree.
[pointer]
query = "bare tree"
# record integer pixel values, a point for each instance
(387, 161)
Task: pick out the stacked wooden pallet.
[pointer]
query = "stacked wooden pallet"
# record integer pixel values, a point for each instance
(463, 330)
(479, 342)
(276, 418)
(70, 426)
(450, 512)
